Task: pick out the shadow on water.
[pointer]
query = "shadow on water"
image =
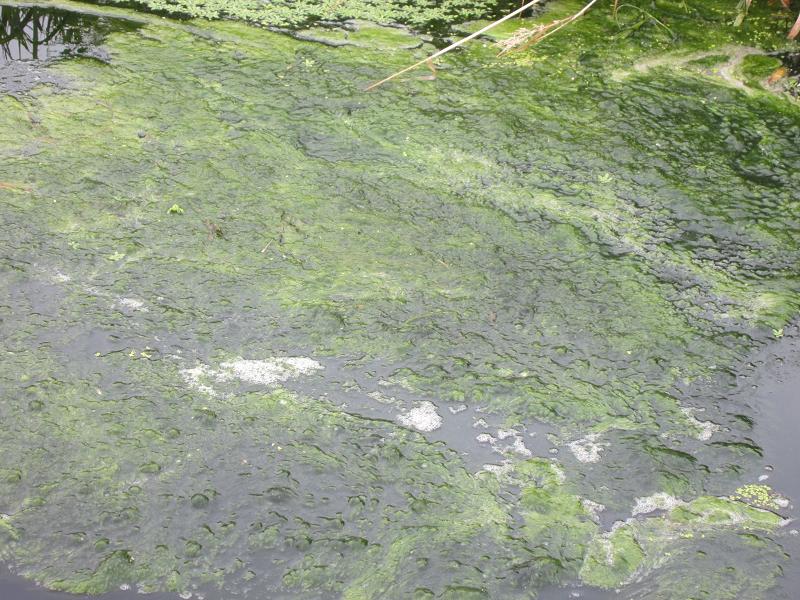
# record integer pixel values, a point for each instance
(29, 33)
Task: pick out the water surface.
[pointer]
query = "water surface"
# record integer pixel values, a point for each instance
(265, 335)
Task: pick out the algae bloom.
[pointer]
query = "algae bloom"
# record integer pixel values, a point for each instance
(494, 334)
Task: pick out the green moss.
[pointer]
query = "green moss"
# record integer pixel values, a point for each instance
(709, 61)
(113, 570)
(611, 560)
(10, 476)
(727, 512)
(363, 34)
(557, 521)
(532, 236)
(7, 534)
(755, 69)
(671, 541)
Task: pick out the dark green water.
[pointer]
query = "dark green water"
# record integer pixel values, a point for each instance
(265, 335)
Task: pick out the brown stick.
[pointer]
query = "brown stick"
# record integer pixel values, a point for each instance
(566, 22)
(795, 30)
(455, 45)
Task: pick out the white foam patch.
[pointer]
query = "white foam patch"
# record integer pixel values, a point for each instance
(382, 398)
(423, 417)
(268, 372)
(516, 445)
(608, 549)
(197, 378)
(705, 429)
(561, 477)
(658, 501)
(587, 450)
(781, 502)
(132, 304)
(499, 470)
(593, 508)
(272, 370)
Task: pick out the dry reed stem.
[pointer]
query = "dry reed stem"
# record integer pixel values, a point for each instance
(454, 45)
(795, 29)
(525, 38)
(545, 31)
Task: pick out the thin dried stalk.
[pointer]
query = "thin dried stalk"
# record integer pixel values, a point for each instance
(743, 8)
(522, 38)
(528, 37)
(795, 29)
(455, 45)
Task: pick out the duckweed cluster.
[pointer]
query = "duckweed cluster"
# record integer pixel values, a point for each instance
(294, 13)
(761, 495)
(557, 248)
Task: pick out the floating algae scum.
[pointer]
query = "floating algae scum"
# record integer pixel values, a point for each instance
(500, 334)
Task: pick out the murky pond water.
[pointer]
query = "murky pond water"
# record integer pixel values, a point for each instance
(264, 335)
(29, 33)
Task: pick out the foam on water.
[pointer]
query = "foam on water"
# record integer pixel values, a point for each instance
(587, 449)
(423, 417)
(658, 501)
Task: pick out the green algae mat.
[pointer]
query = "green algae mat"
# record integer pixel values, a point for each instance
(490, 335)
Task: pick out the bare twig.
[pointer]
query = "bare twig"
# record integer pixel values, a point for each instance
(545, 31)
(455, 45)
(432, 67)
(795, 29)
(13, 187)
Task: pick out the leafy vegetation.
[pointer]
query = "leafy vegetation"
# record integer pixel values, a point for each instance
(297, 13)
